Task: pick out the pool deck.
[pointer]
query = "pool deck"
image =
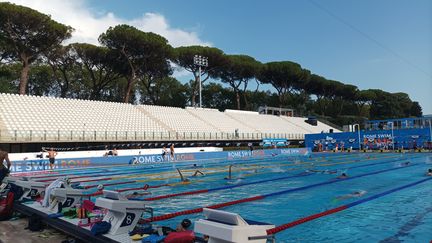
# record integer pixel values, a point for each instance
(68, 226)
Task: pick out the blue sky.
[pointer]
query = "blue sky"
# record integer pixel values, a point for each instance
(382, 44)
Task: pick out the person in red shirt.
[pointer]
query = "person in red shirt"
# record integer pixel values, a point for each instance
(182, 233)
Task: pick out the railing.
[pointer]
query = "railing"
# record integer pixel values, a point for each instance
(23, 136)
(328, 123)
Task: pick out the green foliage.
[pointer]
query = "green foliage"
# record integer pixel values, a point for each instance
(135, 66)
(165, 91)
(8, 78)
(387, 105)
(217, 97)
(41, 80)
(65, 68)
(286, 77)
(138, 52)
(237, 71)
(98, 68)
(26, 34)
(184, 57)
(416, 109)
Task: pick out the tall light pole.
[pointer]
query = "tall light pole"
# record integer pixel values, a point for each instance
(200, 61)
(358, 132)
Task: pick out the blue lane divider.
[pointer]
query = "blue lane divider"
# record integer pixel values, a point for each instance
(303, 174)
(340, 208)
(385, 193)
(260, 197)
(334, 181)
(293, 176)
(384, 162)
(257, 182)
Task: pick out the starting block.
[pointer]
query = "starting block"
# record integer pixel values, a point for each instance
(31, 188)
(123, 214)
(68, 197)
(225, 227)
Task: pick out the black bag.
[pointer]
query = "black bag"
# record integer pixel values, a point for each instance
(35, 223)
(17, 191)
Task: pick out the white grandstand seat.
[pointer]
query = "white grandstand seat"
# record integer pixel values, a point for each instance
(65, 119)
(178, 119)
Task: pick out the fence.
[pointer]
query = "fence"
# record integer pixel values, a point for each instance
(20, 136)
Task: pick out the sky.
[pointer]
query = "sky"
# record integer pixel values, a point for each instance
(373, 44)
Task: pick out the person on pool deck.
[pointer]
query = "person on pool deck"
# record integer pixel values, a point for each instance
(429, 172)
(172, 151)
(51, 156)
(164, 152)
(113, 152)
(4, 170)
(184, 225)
(343, 176)
(182, 233)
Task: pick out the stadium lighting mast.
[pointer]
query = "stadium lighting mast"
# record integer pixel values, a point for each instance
(358, 131)
(200, 61)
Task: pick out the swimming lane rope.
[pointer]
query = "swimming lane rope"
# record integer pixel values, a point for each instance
(259, 197)
(340, 208)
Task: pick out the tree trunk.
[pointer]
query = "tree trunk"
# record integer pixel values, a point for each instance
(280, 98)
(24, 76)
(130, 83)
(193, 98)
(238, 100)
(246, 101)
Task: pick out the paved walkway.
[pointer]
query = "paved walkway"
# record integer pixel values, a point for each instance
(12, 231)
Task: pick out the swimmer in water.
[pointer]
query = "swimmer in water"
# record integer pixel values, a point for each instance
(406, 163)
(343, 176)
(429, 172)
(181, 177)
(351, 195)
(229, 173)
(137, 194)
(254, 171)
(323, 171)
(198, 172)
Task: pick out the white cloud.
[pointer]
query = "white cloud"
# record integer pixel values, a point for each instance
(89, 25)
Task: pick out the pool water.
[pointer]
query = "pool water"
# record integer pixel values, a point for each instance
(402, 216)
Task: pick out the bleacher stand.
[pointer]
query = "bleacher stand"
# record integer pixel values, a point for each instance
(36, 118)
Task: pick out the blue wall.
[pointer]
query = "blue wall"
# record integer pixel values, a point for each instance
(198, 158)
(406, 138)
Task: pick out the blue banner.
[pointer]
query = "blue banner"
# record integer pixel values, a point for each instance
(376, 139)
(198, 158)
(278, 142)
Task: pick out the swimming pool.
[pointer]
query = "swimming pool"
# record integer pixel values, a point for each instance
(307, 186)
